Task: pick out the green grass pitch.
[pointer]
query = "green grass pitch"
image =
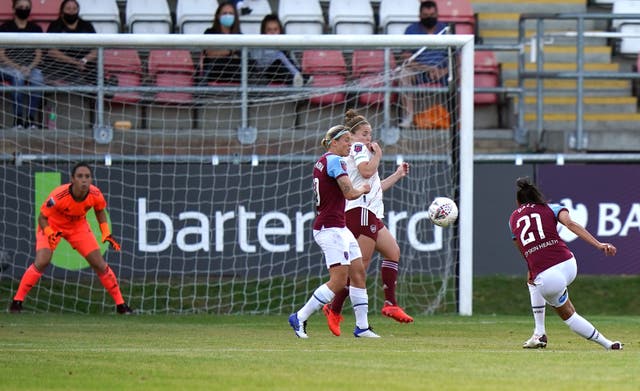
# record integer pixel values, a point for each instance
(256, 352)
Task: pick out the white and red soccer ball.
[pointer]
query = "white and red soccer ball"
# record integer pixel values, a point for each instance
(443, 211)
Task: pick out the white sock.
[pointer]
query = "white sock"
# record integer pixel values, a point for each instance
(538, 307)
(321, 296)
(583, 327)
(360, 303)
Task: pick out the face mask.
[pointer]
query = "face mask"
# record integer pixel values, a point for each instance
(23, 13)
(70, 18)
(227, 20)
(429, 22)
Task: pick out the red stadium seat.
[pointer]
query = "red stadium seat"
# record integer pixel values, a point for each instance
(368, 69)
(458, 12)
(125, 65)
(171, 68)
(44, 12)
(328, 69)
(486, 74)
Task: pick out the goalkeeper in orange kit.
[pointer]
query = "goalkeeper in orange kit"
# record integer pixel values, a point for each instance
(63, 215)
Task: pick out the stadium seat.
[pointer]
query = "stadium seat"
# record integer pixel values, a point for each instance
(368, 69)
(459, 13)
(301, 16)
(396, 15)
(148, 17)
(195, 16)
(486, 74)
(103, 14)
(125, 65)
(43, 12)
(171, 68)
(328, 69)
(628, 46)
(250, 24)
(351, 17)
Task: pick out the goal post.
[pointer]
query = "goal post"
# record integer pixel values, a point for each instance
(208, 184)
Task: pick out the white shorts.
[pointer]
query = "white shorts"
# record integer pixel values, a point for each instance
(339, 245)
(553, 282)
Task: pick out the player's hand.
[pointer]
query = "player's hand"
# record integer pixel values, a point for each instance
(403, 169)
(53, 237)
(366, 188)
(609, 249)
(375, 148)
(112, 242)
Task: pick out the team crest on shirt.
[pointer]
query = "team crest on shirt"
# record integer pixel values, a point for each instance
(357, 148)
(50, 202)
(343, 164)
(373, 228)
(346, 255)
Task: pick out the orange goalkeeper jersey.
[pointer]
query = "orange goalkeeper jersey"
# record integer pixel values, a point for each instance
(63, 211)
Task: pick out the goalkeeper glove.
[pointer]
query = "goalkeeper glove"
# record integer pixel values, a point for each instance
(52, 236)
(107, 237)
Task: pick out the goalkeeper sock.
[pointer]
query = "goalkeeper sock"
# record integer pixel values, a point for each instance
(583, 327)
(360, 301)
(338, 300)
(29, 280)
(321, 296)
(389, 273)
(110, 283)
(538, 307)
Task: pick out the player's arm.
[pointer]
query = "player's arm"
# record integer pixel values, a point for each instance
(350, 192)
(582, 233)
(101, 216)
(368, 168)
(52, 235)
(401, 172)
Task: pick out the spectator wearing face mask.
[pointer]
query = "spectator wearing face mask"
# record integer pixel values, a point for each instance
(430, 66)
(73, 65)
(18, 66)
(222, 65)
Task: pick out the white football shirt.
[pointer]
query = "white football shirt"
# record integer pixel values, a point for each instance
(358, 154)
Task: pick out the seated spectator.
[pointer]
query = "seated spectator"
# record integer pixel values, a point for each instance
(222, 65)
(20, 66)
(428, 67)
(76, 65)
(275, 66)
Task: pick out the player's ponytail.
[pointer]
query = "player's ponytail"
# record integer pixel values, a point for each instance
(528, 192)
(353, 120)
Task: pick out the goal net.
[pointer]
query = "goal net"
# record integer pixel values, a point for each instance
(208, 178)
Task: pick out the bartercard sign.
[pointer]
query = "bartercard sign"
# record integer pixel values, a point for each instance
(224, 219)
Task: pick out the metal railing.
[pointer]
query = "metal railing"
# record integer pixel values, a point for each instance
(538, 42)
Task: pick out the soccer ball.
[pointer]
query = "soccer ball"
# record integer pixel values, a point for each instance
(443, 211)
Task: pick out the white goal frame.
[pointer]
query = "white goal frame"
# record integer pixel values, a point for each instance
(465, 44)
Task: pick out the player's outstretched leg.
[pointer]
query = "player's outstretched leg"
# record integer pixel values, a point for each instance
(391, 309)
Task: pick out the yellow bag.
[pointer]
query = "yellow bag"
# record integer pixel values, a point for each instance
(434, 117)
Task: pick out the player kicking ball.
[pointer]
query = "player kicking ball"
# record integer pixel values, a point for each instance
(552, 266)
(63, 215)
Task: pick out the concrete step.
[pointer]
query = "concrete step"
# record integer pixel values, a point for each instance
(510, 69)
(501, 20)
(561, 87)
(495, 36)
(551, 6)
(594, 122)
(592, 104)
(566, 54)
(625, 140)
